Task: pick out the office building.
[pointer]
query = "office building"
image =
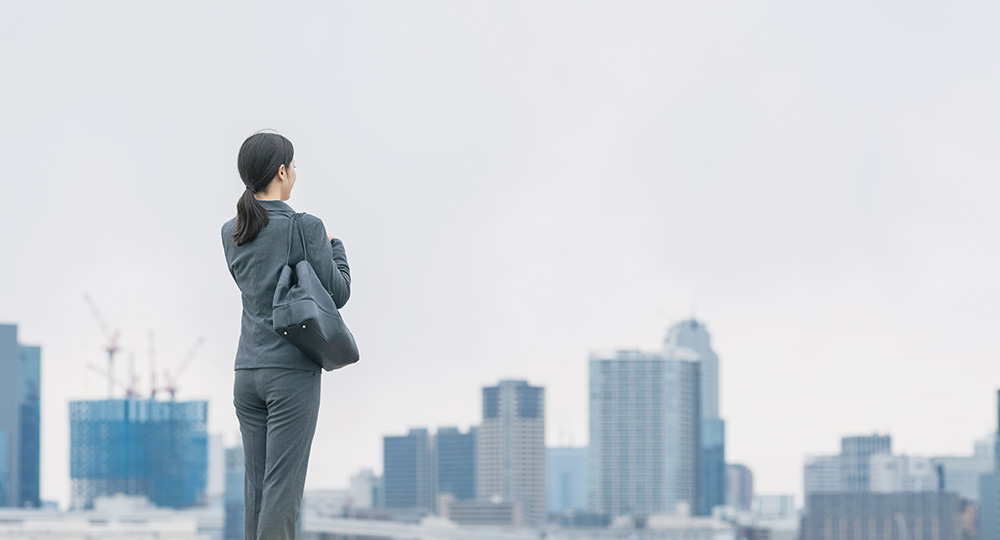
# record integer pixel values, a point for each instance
(882, 516)
(693, 335)
(215, 485)
(139, 447)
(774, 507)
(989, 502)
(4, 468)
(234, 497)
(739, 487)
(511, 448)
(20, 420)
(482, 513)
(894, 474)
(855, 459)
(989, 486)
(408, 470)
(645, 440)
(821, 474)
(567, 479)
(712, 463)
(363, 488)
(961, 473)
(455, 463)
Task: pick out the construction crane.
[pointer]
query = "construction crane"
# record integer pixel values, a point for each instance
(171, 386)
(111, 379)
(152, 368)
(112, 342)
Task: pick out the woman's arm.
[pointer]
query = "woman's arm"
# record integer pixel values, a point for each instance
(329, 259)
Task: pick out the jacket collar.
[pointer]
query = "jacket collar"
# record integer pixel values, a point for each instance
(277, 206)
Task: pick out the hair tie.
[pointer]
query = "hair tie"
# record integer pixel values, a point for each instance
(252, 189)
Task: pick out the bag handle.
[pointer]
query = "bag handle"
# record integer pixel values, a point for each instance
(291, 230)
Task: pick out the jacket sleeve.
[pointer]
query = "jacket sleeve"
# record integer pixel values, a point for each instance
(225, 251)
(329, 259)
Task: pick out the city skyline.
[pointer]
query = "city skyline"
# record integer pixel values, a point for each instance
(520, 184)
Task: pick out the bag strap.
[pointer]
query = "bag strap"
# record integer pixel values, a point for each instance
(291, 230)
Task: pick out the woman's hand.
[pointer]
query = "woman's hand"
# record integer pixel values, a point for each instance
(331, 237)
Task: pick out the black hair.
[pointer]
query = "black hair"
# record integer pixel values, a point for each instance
(260, 157)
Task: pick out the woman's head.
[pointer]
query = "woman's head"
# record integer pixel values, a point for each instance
(266, 163)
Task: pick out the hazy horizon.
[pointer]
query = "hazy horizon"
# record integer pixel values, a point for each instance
(516, 185)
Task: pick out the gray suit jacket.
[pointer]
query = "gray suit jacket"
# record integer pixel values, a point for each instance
(255, 268)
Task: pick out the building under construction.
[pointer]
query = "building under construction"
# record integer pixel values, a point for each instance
(157, 449)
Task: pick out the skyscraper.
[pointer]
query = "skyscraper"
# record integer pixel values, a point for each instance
(712, 463)
(645, 423)
(855, 459)
(693, 335)
(20, 419)
(989, 491)
(4, 470)
(739, 492)
(157, 449)
(407, 468)
(511, 448)
(567, 479)
(455, 463)
(31, 420)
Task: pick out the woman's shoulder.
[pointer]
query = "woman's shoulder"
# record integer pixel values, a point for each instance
(229, 227)
(310, 221)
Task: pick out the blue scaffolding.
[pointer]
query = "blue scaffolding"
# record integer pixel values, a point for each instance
(156, 449)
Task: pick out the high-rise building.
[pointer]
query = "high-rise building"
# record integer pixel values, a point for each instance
(693, 335)
(4, 470)
(855, 459)
(20, 419)
(455, 463)
(363, 488)
(881, 516)
(989, 490)
(712, 463)
(235, 506)
(408, 470)
(567, 479)
(511, 448)
(961, 473)
(739, 487)
(821, 474)
(31, 420)
(157, 449)
(894, 474)
(645, 439)
(215, 484)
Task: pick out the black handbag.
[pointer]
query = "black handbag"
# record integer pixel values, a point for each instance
(305, 314)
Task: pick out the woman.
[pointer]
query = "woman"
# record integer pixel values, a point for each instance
(277, 387)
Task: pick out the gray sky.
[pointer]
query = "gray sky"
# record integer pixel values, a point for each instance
(518, 183)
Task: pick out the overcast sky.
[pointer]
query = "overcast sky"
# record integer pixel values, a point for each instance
(518, 184)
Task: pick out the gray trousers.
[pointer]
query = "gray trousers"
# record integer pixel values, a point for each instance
(277, 409)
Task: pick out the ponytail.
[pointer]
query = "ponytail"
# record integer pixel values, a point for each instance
(260, 157)
(251, 218)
